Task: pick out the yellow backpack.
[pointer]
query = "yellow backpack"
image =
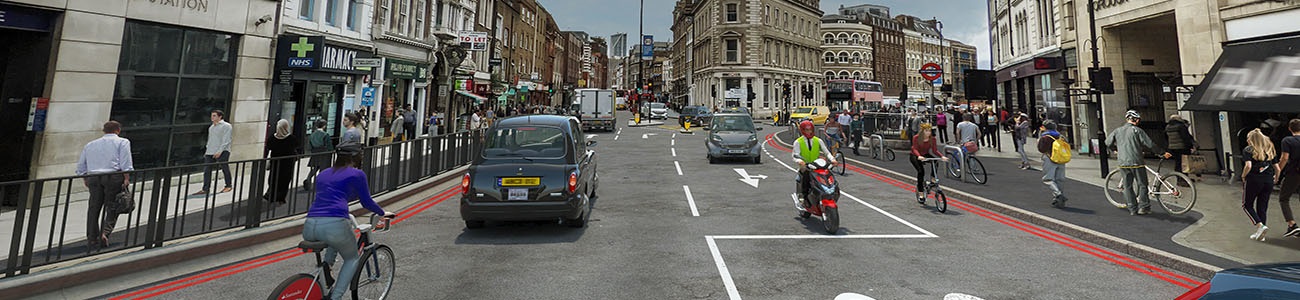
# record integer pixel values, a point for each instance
(1060, 151)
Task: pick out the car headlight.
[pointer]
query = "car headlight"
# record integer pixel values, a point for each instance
(715, 138)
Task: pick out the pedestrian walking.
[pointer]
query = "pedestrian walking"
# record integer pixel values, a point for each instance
(433, 122)
(1019, 137)
(475, 121)
(857, 128)
(913, 123)
(1053, 173)
(280, 149)
(1129, 140)
(318, 144)
(1261, 172)
(991, 126)
(941, 120)
(398, 126)
(217, 150)
(1180, 140)
(408, 121)
(103, 162)
(982, 120)
(353, 134)
(1290, 163)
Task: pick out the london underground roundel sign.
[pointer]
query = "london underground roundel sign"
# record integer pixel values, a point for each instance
(931, 71)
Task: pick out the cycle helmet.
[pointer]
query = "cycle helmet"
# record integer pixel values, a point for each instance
(1132, 114)
(806, 124)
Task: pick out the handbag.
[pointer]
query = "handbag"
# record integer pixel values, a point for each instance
(1193, 164)
(123, 203)
(972, 147)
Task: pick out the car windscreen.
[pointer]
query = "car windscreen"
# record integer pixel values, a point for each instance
(657, 105)
(526, 142)
(803, 110)
(733, 123)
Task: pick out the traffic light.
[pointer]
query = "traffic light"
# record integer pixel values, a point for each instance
(1102, 80)
(902, 95)
(786, 90)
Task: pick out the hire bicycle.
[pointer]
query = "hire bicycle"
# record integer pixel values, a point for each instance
(374, 277)
(958, 157)
(1175, 192)
(931, 188)
(878, 150)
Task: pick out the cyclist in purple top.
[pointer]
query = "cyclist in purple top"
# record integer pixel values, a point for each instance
(328, 219)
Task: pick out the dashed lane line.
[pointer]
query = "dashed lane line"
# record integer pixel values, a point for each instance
(674, 152)
(690, 199)
(679, 168)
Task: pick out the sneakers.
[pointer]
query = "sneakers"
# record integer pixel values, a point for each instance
(1292, 231)
(1059, 201)
(1259, 233)
(1144, 211)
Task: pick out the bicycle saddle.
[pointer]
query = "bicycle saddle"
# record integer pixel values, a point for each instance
(312, 246)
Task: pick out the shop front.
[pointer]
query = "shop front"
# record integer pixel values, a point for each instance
(317, 81)
(25, 42)
(405, 85)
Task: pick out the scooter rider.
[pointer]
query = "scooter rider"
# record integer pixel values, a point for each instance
(809, 148)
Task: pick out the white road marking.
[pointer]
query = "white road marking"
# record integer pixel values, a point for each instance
(615, 137)
(647, 135)
(674, 143)
(679, 167)
(805, 236)
(674, 152)
(674, 135)
(746, 178)
(722, 269)
(620, 131)
(960, 296)
(691, 200)
(853, 296)
(590, 136)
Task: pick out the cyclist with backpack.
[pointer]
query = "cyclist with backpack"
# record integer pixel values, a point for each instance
(1056, 153)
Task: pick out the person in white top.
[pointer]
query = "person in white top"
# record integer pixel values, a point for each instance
(103, 162)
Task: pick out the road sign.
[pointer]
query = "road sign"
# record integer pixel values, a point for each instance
(367, 62)
(931, 71)
(367, 96)
(647, 47)
(736, 93)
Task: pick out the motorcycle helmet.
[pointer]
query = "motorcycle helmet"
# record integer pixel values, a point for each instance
(806, 124)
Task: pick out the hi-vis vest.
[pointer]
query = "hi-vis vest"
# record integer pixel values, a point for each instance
(809, 154)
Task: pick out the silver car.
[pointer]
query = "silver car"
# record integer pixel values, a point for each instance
(733, 135)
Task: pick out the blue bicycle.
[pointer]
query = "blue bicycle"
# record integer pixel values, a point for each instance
(975, 168)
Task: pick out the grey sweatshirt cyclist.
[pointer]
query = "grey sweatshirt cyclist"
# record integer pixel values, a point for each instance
(1129, 141)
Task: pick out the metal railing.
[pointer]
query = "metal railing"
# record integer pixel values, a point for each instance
(50, 223)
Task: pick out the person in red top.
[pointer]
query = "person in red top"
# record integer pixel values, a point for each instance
(923, 146)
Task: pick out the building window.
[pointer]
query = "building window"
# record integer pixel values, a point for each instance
(331, 12)
(354, 11)
(165, 97)
(307, 9)
(733, 13)
(733, 50)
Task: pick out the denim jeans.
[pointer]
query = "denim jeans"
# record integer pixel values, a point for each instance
(337, 232)
(207, 171)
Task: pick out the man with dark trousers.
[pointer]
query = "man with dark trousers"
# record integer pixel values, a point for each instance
(103, 161)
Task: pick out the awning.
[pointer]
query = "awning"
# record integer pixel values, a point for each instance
(477, 99)
(1256, 76)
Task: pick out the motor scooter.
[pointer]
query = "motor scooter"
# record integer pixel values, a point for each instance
(823, 196)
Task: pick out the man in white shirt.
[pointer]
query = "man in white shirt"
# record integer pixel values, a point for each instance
(845, 119)
(103, 162)
(217, 150)
(475, 121)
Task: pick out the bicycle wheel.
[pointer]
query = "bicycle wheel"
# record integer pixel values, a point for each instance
(1115, 189)
(839, 159)
(954, 167)
(301, 286)
(940, 200)
(889, 154)
(1176, 193)
(375, 277)
(977, 170)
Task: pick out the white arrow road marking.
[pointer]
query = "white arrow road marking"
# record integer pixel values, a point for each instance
(674, 152)
(647, 135)
(590, 136)
(691, 200)
(853, 296)
(751, 180)
(960, 296)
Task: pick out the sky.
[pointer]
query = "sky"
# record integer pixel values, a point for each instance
(963, 20)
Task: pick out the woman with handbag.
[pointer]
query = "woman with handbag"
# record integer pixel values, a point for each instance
(280, 148)
(1180, 140)
(319, 144)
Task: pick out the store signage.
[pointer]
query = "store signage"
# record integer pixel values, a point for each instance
(40, 107)
(337, 58)
(367, 62)
(394, 68)
(300, 52)
(1104, 4)
(474, 40)
(16, 17)
(494, 61)
(195, 5)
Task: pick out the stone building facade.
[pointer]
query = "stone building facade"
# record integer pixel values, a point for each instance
(846, 43)
(890, 59)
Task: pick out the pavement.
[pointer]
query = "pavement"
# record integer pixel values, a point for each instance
(667, 224)
(1215, 232)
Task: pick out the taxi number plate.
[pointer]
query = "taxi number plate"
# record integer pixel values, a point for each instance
(517, 194)
(735, 151)
(520, 181)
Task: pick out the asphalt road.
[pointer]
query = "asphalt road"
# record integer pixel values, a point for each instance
(646, 242)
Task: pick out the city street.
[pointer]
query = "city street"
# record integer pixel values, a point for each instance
(669, 225)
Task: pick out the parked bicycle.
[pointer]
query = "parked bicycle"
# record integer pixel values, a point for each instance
(373, 280)
(959, 157)
(1174, 191)
(932, 187)
(878, 150)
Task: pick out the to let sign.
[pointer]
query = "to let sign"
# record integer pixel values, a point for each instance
(931, 71)
(474, 40)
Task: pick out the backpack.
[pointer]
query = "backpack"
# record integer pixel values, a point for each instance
(1060, 151)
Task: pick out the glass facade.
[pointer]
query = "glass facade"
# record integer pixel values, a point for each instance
(169, 79)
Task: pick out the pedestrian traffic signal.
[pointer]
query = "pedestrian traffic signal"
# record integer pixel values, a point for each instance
(902, 95)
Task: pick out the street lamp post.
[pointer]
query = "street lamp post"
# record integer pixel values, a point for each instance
(1095, 93)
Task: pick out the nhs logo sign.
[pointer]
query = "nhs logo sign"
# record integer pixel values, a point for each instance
(302, 62)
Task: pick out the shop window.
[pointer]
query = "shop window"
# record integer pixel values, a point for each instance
(163, 97)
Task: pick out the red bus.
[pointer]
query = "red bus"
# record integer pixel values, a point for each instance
(855, 95)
